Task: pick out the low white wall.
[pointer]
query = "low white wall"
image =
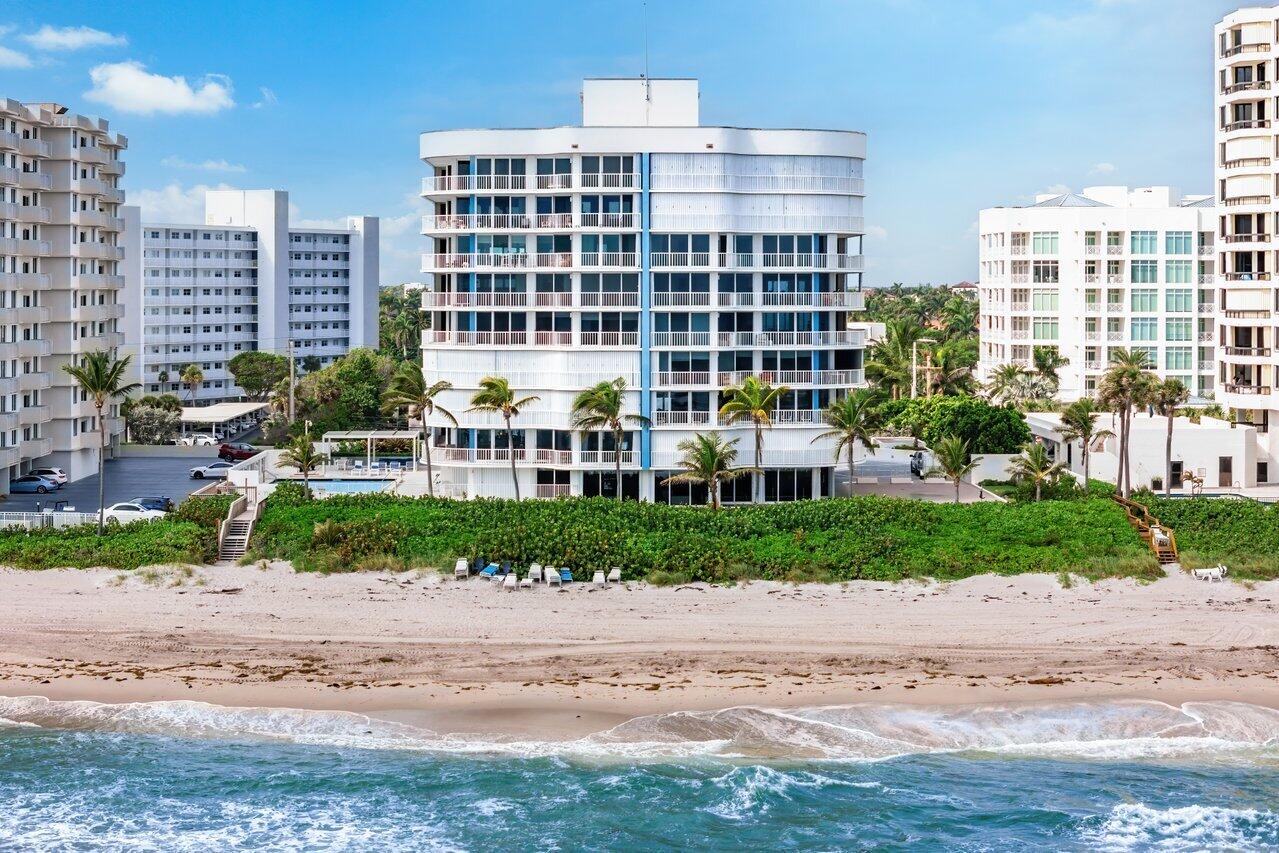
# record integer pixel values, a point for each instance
(991, 466)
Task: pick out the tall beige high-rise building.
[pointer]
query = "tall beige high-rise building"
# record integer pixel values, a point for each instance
(61, 277)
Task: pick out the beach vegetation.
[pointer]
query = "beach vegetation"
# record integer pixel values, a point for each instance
(1242, 534)
(101, 379)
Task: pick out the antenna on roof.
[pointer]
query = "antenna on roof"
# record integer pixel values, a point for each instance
(648, 93)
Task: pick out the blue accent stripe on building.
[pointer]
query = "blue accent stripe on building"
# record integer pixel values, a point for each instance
(646, 322)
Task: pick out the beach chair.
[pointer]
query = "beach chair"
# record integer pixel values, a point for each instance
(552, 576)
(489, 572)
(462, 569)
(1220, 566)
(615, 575)
(535, 573)
(598, 578)
(526, 582)
(509, 583)
(358, 467)
(566, 576)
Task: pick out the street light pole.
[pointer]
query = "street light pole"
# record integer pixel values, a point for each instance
(914, 365)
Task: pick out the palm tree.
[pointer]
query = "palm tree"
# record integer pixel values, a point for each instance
(889, 365)
(852, 419)
(1166, 397)
(951, 368)
(496, 395)
(408, 390)
(1126, 384)
(709, 459)
(1047, 360)
(754, 400)
(102, 379)
(600, 407)
(302, 455)
(192, 376)
(1079, 423)
(959, 313)
(1003, 387)
(1034, 466)
(953, 461)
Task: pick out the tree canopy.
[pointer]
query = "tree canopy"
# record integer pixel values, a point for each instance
(258, 372)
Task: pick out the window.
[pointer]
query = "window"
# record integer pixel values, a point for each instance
(1145, 272)
(1177, 358)
(1179, 243)
(1045, 328)
(1177, 329)
(1046, 272)
(1044, 243)
(1043, 300)
(1145, 300)
(1179, 300)
(1144, 242)
(1150, 354)
(1178, 272)
(1145, 329)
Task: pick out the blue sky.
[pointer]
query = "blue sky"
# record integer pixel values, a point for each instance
(966, 104)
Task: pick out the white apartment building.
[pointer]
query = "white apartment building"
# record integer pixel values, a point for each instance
(245, 280)
(642, 245)
(1106, 268)
(1246, 50)
(60, 279)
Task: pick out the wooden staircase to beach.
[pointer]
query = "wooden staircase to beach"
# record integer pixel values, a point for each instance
(1159, 536)
(235, 541)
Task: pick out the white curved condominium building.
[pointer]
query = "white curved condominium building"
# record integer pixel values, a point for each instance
(61, 251)
(1091, 272)
(1247, 148)
(641, 245)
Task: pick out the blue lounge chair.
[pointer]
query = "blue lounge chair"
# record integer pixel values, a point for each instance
(489, 571)
(566, 576)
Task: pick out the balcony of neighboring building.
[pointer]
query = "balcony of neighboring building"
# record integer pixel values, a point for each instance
(24, 248)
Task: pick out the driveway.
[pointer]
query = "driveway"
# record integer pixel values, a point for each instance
(129, 477)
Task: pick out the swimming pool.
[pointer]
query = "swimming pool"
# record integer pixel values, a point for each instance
(350, 487)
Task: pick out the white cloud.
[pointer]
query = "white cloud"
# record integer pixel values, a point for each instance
(1055, 189)
(1102, 169)
(173, 204)
(10, 58)
(876, 232)
(176, 162)
(268, 98)
(129, 88)
(71, 38)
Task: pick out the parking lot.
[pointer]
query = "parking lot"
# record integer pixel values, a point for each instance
(130, 477)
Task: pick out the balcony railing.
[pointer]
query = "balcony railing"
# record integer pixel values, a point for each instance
(1246, 86)
(1242, 200)
(468, 183)
(1019, 334)
(1248, 314)
(1262, 352)
(478, 260)
(1114, 250)
(681, 339)
(607, 220)
(1206, 307)
(1246, 162)
(1257, 47)
(1114, 307)
(552, 490)
(1114, 335)
(745, 299)
(462, 299)
(663, 299)
(554, 260)
(607, 457)
(1017, 249)
(680, 259)
(500, 339)
(545, 456)
(561, 181)
(683, 377)
(610, 339)
(609, 259)
(553, 339)
(1248, 124)
(664, 418)
(1240, 388)
(800, 416)
(771, 339)
(553, 299)
(608, 180)
(618, 299)
(1246, 238)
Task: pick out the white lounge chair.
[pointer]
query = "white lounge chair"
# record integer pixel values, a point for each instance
(552, 576)
(535, 573)
(615, 576)
(510, 583)
(526, 583)
(462, 569)
(598, 579)
(1213, 574)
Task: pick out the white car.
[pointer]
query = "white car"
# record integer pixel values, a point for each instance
(212, 471)
(57, 475)
(123, 513)
(199, 439)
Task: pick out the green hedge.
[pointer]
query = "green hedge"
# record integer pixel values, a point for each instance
(837, 539)
(189, 535)
(1243, 534)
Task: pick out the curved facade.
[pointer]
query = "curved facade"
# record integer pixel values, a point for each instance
(1246, 64)
(679, 258)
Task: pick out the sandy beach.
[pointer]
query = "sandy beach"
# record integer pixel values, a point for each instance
(464, 656)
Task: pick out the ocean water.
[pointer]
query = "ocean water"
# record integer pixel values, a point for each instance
(1070, 776)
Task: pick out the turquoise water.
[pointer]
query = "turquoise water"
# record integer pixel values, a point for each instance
(350, 487)
(187, 776)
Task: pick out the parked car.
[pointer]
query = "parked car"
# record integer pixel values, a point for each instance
(199, 439)
(57, 475)
(33, 483)
(129, 511)
(163, 504)
(236, 450)
(212, 471)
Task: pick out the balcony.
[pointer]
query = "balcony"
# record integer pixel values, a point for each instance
(630, 458)
(1247, 276)
(1114, 250)
(1255, 352)
(618, 299)
(24, 280)
(683, 377)
(552, 490)
(679, 259)
(1257, 47)
(480, 260)
(34, 181)
(1206, 307)
(553, 260)
(1019, 334)
(464, 299)
(553, 299)
(34, 381)
(1020, 278)
(1112, 278)
(1017, 249)
(33, 147)
(499, 339)
(478, 222)
(1021, 306)
(1246, 163)
(745, 299)
(34, 348)
(1114, 307)
(683, 339)
(1207, 336)
(1092, 335)
(545, 456)
(665, 418)
(609, 180)
(803, 417)
(553, 339)
(1248, 86)
(1114, 335)
(784, 338)
(1091, 278)
(1206, 279)
(25, 316)
(1245, 238)
(472, 183)
(32, 415)
(1246, 200)
(1092, 249)
(28, 248)
(35, 448)
(607, 220)
(609, 259)
(1092, 364)
(97, 251)
(1239, 388)
(610, 339)
(1247, 124)
(560, 181)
